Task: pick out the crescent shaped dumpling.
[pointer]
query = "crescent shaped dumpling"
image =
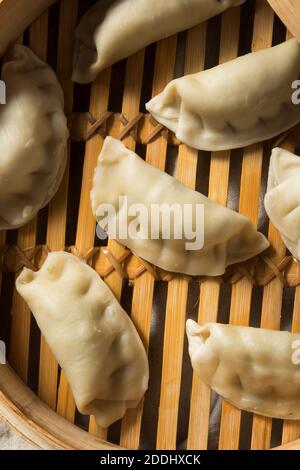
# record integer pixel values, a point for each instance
(256, 370)
(241, 102)
(229, 237)
(282, 200)
(91, 336)
(33, 138)
(111, 31)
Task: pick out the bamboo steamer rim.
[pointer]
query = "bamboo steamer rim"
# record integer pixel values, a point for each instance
(41, 427)
(20, 408)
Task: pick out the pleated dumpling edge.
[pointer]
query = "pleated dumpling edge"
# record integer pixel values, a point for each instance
(282, 200)
(235, 104)
(101, 42)
(92, 337)
(255, 369)
(229, 237)
(33, 138)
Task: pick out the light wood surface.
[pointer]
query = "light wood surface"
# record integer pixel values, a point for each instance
(56, 232)
(21, 316)
(12, 12)
(289, 13)
(36, 422)
(210, 289)
(294, 445)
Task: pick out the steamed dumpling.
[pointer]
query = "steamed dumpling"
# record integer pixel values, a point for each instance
(282, 201)
(111, 31)
(241, 102)
(91, 336)
(229, 237)
(20, 18)
(256, 370)
(33, 137)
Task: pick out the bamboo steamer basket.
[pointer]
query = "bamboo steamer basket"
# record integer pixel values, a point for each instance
(35, 398)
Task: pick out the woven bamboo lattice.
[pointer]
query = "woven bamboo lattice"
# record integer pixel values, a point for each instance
(178, 410)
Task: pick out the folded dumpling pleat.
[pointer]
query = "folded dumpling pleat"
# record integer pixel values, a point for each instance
(256, 370)
(33, 138)
(282, 201)
(91, 336)
(241, 102)
(121, 175)
(111, 31)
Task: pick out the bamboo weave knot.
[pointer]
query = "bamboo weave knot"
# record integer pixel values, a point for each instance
(130, 127)
(84, 126)
(259, 271)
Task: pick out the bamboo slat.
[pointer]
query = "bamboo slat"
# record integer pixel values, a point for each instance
(210, 289)
(249, 204)
(291, 429)
(141, 316)
(86, 223)
(141, 309)
(288, 11)
(270, 318)
(21, 318)
(48, 369)
(163, 73)
(178, 289)
(130, 107)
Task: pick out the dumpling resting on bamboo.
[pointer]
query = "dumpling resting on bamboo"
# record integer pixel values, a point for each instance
(91, 336)
(163, 221)
(282, 201)
(33, 138)
(241, 102)
(256, 370)
(111, 31)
